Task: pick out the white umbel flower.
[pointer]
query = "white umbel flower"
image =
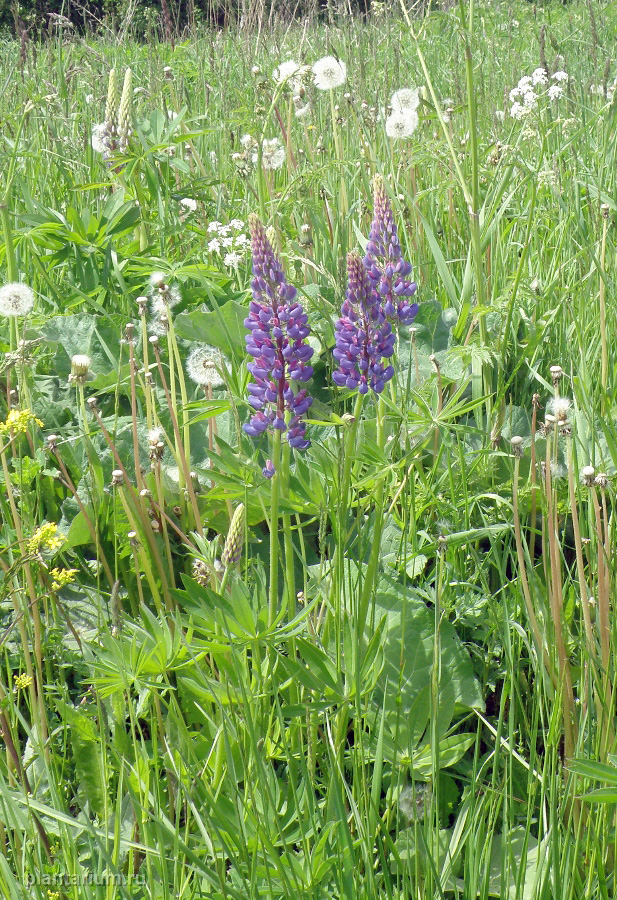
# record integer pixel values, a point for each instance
(189, 204)
(405, 99)
(555, 92)
(16, 299)
(539, 76)
(560, 76)
(401, 124)
(203, 366)
(329, 73)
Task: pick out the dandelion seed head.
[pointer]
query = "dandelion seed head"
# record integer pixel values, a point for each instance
(329, 73)
(559, 407)
(16, 299)
(203, 366)
(412, 801)
(80, 363)
(401, 124)
(286, 70)
(405, 99)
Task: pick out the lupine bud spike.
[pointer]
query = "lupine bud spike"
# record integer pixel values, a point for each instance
(111, 107)
(234, 542)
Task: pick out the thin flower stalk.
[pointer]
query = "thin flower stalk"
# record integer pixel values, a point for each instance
(146, 528)
(184, 467)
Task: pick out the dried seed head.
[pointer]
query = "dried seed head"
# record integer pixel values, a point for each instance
(605, 210)
(602, 480)
(117, 477)
(516, 443)
(588, 476)
(556, 374)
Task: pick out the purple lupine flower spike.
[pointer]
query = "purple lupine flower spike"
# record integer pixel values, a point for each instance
(278, 326)
(364, 338)
(384, 262)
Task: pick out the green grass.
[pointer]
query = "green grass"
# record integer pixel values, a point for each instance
(384, 696)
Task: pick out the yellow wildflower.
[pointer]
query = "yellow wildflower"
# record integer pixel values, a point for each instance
(61, 577)
(22, 682)
(17, 421)
(47, 538)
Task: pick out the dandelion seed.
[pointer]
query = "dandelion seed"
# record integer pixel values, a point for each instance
(401, 124)
(16, 299)
(101, 139)
(329, 73)
(405, 99)
(285, 70)
(272, 154)
(203, 366)
(559, 407)
(413, 801)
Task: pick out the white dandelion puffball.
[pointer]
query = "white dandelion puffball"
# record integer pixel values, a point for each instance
(16, 299)
(401, 124)
(329, 73)
(99, 138)
(80, 363)
(272, 154)
(286, 70)
(203, 366)
(405, 99)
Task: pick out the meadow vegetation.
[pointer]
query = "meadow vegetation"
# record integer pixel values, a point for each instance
(306, 556)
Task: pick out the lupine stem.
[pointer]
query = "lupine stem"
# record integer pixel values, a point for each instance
(274, 517)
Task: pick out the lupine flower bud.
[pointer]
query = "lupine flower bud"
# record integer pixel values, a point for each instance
(111, 107)
(235, 538)
(278, 326)
(363, 336)
(125, 113)
(387, 269)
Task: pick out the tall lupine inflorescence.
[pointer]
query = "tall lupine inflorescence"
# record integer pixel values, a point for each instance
(278, 326)
(364, 338)
(384, 262)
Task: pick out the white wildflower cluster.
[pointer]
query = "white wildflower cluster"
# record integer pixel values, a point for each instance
(228, 242)
(531, 88)
(403, 120)
(188, 205)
